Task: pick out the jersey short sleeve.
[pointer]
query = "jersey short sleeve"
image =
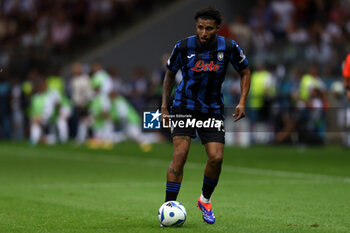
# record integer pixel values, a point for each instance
(237, 57)
(346, 68)
(174, 61)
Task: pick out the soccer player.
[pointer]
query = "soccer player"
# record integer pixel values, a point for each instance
(124, 114)
(49, 109)
(346, 74)
(100, 119)
(203, 60)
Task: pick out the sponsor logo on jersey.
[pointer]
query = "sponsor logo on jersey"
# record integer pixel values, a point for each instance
(202, 66)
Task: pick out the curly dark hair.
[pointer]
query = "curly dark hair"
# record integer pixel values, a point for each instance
(209, 13)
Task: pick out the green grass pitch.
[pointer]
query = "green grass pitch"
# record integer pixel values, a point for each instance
(262, 189)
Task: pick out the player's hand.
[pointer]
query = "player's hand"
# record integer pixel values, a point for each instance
(239, 112)
(165, 117)
(348, 94)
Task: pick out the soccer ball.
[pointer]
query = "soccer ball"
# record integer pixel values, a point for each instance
(172, 213)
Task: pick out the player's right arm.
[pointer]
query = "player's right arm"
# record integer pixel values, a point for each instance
(173, 65)
(168, 85)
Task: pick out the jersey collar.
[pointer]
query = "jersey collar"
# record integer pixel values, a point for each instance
(210, 47)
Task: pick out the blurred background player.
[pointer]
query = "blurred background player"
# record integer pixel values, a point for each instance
(128, 122)
(263, 90)
(312, 103)
(100, 118)
(49, 114)
(101, 78)
(81, 93)
(38, 117)
(56, 92)
(346, 74)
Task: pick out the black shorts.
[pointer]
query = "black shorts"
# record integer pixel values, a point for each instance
(210, 127)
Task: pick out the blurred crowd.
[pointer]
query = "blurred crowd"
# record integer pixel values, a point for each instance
(44, 34)
(295, 33)
(295, 49)
(38, 37)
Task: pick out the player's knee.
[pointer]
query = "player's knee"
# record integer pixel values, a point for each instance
(181, 151)
(216, 159)
(180, 156)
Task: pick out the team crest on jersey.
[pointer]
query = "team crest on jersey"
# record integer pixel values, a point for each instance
(241, 54)
(220, 56)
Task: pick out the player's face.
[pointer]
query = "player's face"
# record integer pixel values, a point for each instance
(206, 30)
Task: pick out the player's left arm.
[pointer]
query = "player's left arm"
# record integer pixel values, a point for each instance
(239, 112)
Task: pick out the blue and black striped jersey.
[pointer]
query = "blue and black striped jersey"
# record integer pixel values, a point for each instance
(203, 71)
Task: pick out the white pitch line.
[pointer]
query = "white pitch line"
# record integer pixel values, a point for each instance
(124, 159)
(288, 174)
